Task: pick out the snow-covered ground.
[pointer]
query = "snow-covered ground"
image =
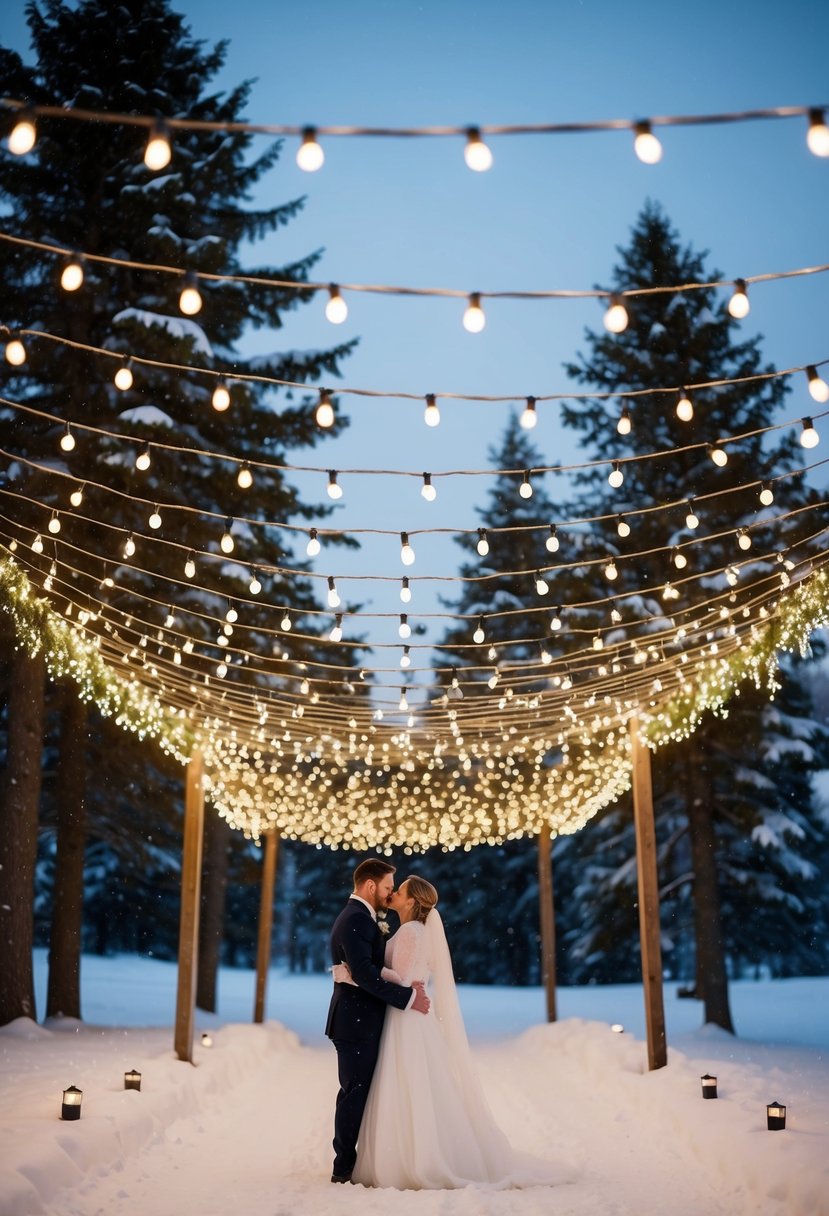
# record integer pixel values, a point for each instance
(248, 1129)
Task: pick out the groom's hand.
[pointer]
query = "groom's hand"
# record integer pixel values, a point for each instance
(421, 1002)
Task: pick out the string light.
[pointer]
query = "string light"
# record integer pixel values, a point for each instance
(313, 547)
(529, 417)
(525, 489)
(646, 145)
(158, 152)
(76, 497)
(625, 423)
(818, 388)
(611, 570)
(190, 301)
(431, 414)
(23, 135)
(541, 584)
(615, 614)
(67, 440)
(616, 318)
(622, 526)
(405, 592)
(483, 544)
(744, 538)
(809, 437)
(37, 544)
(552, 544)
(129, 546)
(477, 155)
(244, 478)
(143, 459)
(336, 634)
(123, 378)
(680, 560)
(71, 277)
(155, 519)
(474, 318)
(310, 156)
(190, 565)
(616, 476)
(325, 410)
(405, 658)
(286, 624)
(479, 635)
(404, 629)
(428, 491)
(718, 454)
(684, 407)
(403, 704)
(54, 524)
(221, 397)
(407, 553)
(333, 595)
(335, 490)
(817, 137)
(227, 544)
(15, 352)
(739, 305)
(766, 494)
(691, 518)
(254, 586)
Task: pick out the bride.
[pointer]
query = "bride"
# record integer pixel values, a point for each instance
(426, 1123)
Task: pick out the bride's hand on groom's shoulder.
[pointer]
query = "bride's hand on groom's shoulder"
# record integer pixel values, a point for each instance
(341, 974)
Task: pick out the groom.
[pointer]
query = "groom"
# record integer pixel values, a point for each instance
(355, 1016)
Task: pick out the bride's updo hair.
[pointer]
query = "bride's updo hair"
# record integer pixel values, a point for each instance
(424, 895)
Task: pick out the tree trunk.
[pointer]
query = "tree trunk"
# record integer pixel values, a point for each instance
(211, 922)
(18, 835)
(711, 976)
(64, 993)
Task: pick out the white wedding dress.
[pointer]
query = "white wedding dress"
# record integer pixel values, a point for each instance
(426, 1123)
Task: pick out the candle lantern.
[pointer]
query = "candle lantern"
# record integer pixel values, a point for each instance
(776, 1116)
(71, 1105)
(132, 1079)
(709, 1086)
(206, 1039)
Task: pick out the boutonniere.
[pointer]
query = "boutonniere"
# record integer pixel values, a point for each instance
(383, 924)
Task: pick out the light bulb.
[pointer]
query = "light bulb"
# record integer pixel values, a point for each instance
(15, 352)
(71, 277)
(221, 671)
(483, 544)
(333, 596)
(615, 615)
(622, 526)
(718, 455)
(646, 145)
(325, 410)
(337, 629)
(404, 629)
(142, 460)
(67, 440)
(254, 586)
(616, 318)
(405, 592)
(541, 585)
(476, 154)
(37, 544)
(529, 417)
(23, 134)
(431, 415)
(76, 497)
(817, 137)
(286, 624)
(684, 407)
(313, 547)
(221, 397)
(625, 424)
(611, 570)
(474, 319)
(54, 524)
(809, 437)
(680, 560)
(190, 566)
(616, 476)
(766, 495)
(555, 620)
(155, 520)
(405, 658)
(479, 635)
(428, 491)
(407, 553)
(336, 310)
(738, 305)
(691, 519)
(818, 388)
(335, 490)
(598, 644)
(190, 301)
(226, 543)
(743, 539)
(403, 704)
(129, 546)
(310, 155)
(546, 657)
(244, 478)
(158, 152)
(552, 542)
(123, 377)
(525, 489)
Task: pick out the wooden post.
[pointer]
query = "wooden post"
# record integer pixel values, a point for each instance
(547, 917)
(648, 884)
(263, 948)
(188, 937)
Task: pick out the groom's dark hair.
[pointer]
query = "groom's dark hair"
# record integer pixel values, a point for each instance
(372, 868)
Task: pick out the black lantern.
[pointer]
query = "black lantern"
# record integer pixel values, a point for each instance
(709, 1086)
(132, 1079)
(776, 1116)
(206, 1039)
(71, 1105)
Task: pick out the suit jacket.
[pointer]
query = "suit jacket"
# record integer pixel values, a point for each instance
(358, 1013)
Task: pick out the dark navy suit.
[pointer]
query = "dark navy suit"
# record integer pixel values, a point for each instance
(355, 1020)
